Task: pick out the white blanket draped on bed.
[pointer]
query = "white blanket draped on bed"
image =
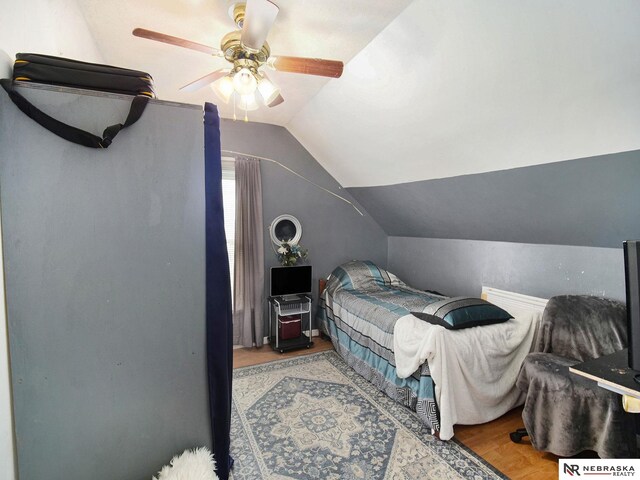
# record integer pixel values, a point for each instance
(474, 369)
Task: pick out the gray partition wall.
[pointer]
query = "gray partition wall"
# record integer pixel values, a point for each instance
(105, 284)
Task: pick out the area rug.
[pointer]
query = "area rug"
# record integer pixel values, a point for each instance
(313, 417)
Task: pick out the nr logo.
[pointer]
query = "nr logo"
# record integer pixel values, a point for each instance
(572, 469)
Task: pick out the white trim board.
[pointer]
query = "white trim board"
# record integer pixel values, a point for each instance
(512, 301)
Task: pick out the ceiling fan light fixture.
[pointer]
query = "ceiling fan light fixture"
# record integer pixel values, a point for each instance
(223, 88)
(248, 103)
(268, 90)
(247, 50)
(244, 82)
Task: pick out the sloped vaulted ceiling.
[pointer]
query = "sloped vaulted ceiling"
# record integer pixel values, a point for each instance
(455, 87)
(491, 120)
(331, 29)
(431, 89)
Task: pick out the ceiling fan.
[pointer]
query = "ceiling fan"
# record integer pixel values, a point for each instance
(249, 53)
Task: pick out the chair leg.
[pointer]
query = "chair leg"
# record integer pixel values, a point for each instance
(518, 435)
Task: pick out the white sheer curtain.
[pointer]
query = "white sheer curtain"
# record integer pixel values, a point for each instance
(248, 324)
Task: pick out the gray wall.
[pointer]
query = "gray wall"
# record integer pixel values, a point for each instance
(104, 263)
(332, 230)
(542, 230)
(590, 202)
(461, 267)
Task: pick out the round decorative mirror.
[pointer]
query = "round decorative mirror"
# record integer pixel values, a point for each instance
(285, 228)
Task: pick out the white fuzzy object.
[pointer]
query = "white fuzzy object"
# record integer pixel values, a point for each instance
(197, 464)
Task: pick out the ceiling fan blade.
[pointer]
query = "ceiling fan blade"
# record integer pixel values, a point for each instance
(258, 19)
(171, 40)
(204, 81)
(308, 66)
(278, 100)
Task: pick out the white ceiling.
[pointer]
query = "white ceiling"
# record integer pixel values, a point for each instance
(431, 89)
(454, 87)
(331, 29)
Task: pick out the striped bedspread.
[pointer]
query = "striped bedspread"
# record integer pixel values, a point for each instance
(358, 310)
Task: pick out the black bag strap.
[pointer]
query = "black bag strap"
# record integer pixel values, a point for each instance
(68, 132)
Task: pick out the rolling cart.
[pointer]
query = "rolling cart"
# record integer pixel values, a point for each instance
(289, 306)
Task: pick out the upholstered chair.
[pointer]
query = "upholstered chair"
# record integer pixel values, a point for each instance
(564, 413)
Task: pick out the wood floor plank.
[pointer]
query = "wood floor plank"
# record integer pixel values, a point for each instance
(244, 357)
(490, 440)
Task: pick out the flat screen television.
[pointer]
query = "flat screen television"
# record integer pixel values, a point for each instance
(632, 281)
(290, 280)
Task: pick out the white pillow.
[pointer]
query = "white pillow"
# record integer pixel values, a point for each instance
(197, 464)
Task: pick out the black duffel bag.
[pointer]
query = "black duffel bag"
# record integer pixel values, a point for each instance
(31, 67)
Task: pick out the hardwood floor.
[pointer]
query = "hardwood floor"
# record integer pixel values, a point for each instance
(489, 440)
(244, 357)
(519, 461)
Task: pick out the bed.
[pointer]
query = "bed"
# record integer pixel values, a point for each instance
(445, 376)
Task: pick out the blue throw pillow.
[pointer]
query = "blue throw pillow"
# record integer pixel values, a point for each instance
(462, 312)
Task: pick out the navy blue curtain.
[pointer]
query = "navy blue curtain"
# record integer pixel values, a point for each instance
(219, 326)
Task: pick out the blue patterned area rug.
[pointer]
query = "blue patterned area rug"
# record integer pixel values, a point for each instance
(313, 417)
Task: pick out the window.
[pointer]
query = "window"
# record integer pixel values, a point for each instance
(229, 205)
